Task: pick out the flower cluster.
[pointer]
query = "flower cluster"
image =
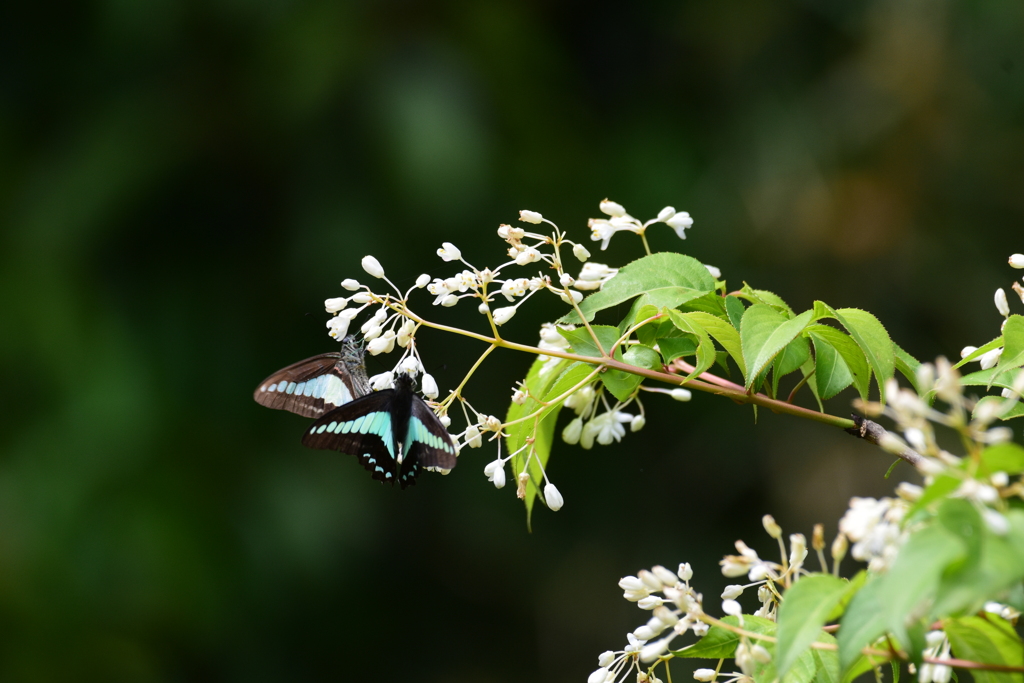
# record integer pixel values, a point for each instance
(391, 324)
(602, 229)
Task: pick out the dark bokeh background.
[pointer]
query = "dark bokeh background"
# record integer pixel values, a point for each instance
(183, 183)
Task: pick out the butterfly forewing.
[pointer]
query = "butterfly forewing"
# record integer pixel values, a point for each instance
(427, 441)
(316, 385)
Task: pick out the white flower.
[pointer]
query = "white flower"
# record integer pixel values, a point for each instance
(990, 358)
(385, 380)
(380, 345)
(612, 208)
(527, 256)
(473, 438)
(338, 326)
(602, 231)
(503, 315)
(593, 275)
(410, 365)
(553, 497)
(530, 216)
(429, 386)
(335, 305)
(350, 284)
(564, 279)
(732, 608)
(680, 222)
(680, 394)
(1001, 305)
(580, 252)
(997, 523)
(1017, 260)
(732, 592)
(495, 472)
(449, 252)
(372, 266)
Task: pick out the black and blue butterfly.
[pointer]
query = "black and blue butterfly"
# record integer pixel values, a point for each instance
(393, 432)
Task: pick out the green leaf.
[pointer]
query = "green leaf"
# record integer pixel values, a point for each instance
(1016, 410)
(1013, 343)
(664, 279)
(986, 639)
(764, 332)
(547, 385)
(712, 303)
(1005, 457)
(826, 662)
(860, 666)
(873, 340)
(943, 485)
(677, 347)
(720, 643)
(763, 296)
(705, 347)
(994, 563)
(831, 374)
(735, 308)
(993, 377)
(862, 624)
(724, 333)
(792, 357)
(849, 351)
(623, 384)
(907, 365)
(583, 344)
(804, 610)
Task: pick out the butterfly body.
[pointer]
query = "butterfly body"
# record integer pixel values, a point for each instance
(393, 432)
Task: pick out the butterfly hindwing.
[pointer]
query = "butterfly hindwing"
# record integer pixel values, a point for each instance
(427, 441)
(316, 385)
(362, 428)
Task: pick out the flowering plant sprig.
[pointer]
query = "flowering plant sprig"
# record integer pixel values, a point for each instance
(942, 588)
(683, 323)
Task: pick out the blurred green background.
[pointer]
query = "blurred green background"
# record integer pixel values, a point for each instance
(183, 183)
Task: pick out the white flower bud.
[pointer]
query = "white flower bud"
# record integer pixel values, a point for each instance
(410, 365)
(361, 298)
(612, 208)
(732, 592)
(449, 252)
(1001, 305)
(1017, 260)
(422, 281)
(429, 386)
(637, 423)
(771, 526)
(384, 380)
(378, 345)
(573, 297)
(760, 654)
(449, 300)
(473, 439)
(996, 522)
(732, 608)
(446, 421)
(335, 305)
(530, 216)
(666, 213)
(572, 431)
(372, 266)
(703, 675)
(681, 394)
(715, 272)
(684, 572)
(652, 651)
(553, 497)
(967, 350)
(564, 279)
(350, 284)
(490, 423)
(600, 676)
(503, 315)
(519, 397)
(580, 252)
(990, 358)
(665, 575)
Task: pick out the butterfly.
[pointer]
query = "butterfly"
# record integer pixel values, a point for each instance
(393, 432)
